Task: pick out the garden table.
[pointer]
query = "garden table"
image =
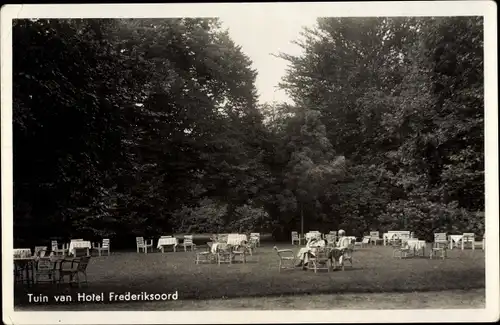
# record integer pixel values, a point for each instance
(236, 239)
(79, 244)
(167, 241)
(401, 234)
(454, 240)
(312, 234)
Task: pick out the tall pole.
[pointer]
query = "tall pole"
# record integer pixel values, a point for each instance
(301, 220)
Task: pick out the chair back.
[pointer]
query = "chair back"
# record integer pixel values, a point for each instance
(45, 264)
(105, 243)
(82, 265)
(188, 239)
(54, 245)
(253, 241)
(374, 235)
(139, 241)
(440, 237)
(40, 251)
(366, 239)
(344, 242)
(79, 239)
(255, 235)
(468, 237)
(295, 235)
(321, 253)
(277, 252)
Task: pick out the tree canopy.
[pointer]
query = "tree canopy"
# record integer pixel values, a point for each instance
(126, 127)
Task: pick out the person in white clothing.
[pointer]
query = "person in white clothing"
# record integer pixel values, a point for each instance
(310, 249)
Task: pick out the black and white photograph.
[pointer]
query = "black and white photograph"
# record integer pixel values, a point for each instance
(250, 159)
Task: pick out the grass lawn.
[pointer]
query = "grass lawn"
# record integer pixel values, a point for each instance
(376, 281)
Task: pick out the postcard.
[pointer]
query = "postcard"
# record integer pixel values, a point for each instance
(250, 162)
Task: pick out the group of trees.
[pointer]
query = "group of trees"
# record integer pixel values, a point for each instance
(146, 126)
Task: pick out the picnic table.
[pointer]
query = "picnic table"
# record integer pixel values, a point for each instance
(167, 241)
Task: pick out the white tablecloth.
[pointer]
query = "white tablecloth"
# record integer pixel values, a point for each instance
(388, 236)
(78, 244)
(455, 239)
(171, 241)
(22, 252)
(310, 235)
(236, 239)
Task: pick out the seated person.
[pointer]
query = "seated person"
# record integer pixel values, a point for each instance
(310, 249)
(341, 238)
(342, 244)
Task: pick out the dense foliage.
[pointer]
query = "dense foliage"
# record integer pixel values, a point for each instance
(151, 126)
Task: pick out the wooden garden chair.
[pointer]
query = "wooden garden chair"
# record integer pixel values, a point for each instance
(205, 256)
(40, 251)
(399, 250)
(440, 246)
(468, 239)
(375, 237)
(105, 247)
(364, 242)
(339, 255)
(297, 238)
(188, 242)
(252, 245)
(320, 260)
(144, 245)
(56, 250)
(224, 254)
(239, 252)
(45, 269)
(287, 259)
(255, 236)
(76, 267)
